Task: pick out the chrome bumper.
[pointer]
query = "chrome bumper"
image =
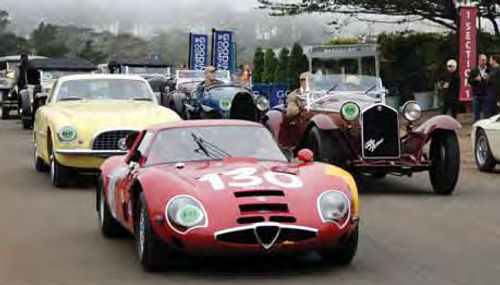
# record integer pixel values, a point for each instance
(91, 152)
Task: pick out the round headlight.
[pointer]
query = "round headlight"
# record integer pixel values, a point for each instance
(67, 133)
(262, 103)
(333, 206)
(412, 111)
(225, 104)
(184, 213)
(350, 111)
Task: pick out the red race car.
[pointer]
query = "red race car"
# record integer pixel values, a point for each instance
(217, 187)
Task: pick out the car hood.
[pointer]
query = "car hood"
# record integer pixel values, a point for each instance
(224, 204)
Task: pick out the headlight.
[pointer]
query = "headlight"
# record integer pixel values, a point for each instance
(225, 104)
(350, 111)
(184, 213)
(334, 207)
(67, 133)
(262, 103)
(412, 111)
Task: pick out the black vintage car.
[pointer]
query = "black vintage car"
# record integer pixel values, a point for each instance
(146, 68)
(36, 78)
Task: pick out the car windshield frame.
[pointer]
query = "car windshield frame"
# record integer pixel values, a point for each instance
(343, 83)
(147, 95)
(193, 134)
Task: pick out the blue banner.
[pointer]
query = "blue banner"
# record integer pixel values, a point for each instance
(198, 51)
(223, 50)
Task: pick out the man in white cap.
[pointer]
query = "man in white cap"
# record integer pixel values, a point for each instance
(451, 88)
(293, 104)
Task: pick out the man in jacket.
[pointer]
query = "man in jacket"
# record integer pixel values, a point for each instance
(494, 85)
(451, 88)
(478, 79)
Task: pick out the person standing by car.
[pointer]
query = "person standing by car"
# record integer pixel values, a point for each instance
(478, 79)
(494, 85)
(451, 87)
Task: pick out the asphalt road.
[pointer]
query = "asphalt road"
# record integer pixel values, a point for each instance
(408, 235)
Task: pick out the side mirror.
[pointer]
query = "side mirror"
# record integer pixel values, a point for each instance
(136, 156)
(305, 155)
(41, 98)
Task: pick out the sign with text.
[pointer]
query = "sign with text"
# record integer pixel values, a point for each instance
(223, 50)
(468, 16)
(198, 51)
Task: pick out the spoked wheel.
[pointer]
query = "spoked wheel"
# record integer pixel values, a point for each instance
(484, 159)
(344, 252)
(320, 143)
(152, 252)
(445, 157)
(110, 227)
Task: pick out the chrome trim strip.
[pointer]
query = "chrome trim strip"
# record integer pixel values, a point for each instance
(254, 226)
(86, 151)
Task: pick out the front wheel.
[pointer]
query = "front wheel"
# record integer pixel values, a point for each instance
(59, 174)
(110, 228)
(40, 165)
(445, 159)
(151, 251)
(320, 143)
(344, 252)
(484, 159)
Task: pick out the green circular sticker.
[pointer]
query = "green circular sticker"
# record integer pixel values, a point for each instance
(189, 215)
(350, 111)
(225, 104)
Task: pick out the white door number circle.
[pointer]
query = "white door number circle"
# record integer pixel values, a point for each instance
(246, 177)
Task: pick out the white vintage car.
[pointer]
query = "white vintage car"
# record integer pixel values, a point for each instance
(486, 143)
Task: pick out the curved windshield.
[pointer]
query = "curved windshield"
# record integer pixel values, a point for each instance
(213, 143)
(344, 82)
(104, 89)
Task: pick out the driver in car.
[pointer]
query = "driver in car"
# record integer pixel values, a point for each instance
(293, 104)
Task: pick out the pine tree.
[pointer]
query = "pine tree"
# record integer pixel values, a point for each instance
(270, 65)
(258, 65)
(298, 64)
(282, 74)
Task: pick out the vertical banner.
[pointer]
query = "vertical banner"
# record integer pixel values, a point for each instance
(198, 51)
(468, 16)
(223, 50)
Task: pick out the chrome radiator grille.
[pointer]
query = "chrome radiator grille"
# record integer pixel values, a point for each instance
(109, 140)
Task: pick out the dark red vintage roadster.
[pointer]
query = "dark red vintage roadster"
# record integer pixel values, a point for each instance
(345, 121)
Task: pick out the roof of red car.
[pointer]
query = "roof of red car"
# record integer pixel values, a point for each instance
(203, 123)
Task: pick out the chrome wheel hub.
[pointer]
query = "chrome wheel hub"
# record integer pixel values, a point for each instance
(481, 150)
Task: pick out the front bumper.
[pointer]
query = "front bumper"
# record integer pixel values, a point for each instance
(257, 239)
(84, 158)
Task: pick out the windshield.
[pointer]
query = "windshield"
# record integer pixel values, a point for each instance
(53, 75)
(104, 89)
(184, 75)
(213, 143)
(344, 82)
(148, 70)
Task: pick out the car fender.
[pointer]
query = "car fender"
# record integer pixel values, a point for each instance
(488, 125)
(323, 122)
(437, 123)
(273, 118)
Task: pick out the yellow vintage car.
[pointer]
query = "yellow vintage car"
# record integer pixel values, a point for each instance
(85, 119)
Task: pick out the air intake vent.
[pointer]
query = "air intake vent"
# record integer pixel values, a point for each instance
(282, 219)
(259, 193)
(250, 220)
(263, 208)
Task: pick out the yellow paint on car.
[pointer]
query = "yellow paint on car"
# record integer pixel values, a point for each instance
(347, 177)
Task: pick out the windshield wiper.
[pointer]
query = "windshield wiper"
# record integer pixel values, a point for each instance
(333, 88)
(371, 89)
(143, 99)
(71, 99)
(210, 150)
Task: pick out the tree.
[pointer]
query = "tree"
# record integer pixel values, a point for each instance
(270, 65)
(298, 64)
(258, 65)
(46, 41)
(10, 43)
(283, 70)
(441, 12)
(91, 53)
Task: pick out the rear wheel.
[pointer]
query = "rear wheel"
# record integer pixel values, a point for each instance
(484, 159)
(110, 227)
(151, 251)
(445, 157)
(320, 143)
(344, 252)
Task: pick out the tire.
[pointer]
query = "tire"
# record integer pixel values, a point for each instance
(40, 165)
(5, 113)
(151, 251)
(110, 228)
(378, 175)
(343, 253)
(445, 159)
(59, 174)
(320, 143)
(484, 159)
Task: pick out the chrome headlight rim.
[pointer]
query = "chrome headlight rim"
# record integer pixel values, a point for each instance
(346, 216)
(181, 229)
(63, 136)
(344, 111)
(412, 111)
(262, 103)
